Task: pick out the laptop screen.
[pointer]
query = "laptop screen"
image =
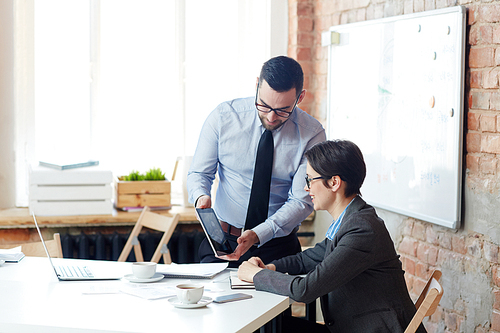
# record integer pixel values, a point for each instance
(43, 242)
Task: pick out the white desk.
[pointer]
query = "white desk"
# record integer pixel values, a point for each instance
(33, 300)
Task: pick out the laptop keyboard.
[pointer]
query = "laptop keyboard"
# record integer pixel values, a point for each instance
(74, 271)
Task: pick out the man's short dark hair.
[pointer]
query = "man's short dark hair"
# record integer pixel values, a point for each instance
(340, 158)
(282, 74)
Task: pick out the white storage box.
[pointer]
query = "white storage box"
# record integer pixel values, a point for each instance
(81, 191)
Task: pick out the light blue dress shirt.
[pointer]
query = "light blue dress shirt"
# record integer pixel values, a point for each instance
(334, 227)
(228, 144)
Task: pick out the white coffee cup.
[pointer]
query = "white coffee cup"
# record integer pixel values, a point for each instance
(188, 293)
(144, 270)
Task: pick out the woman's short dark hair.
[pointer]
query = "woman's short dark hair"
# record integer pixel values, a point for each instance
(282, 74)
(339, 158)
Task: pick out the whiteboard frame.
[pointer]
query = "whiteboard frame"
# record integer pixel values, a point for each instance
(460, 86)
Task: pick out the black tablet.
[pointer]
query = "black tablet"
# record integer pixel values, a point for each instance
(213, 230)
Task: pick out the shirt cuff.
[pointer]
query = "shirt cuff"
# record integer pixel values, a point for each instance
(195, 195)
(264, 232)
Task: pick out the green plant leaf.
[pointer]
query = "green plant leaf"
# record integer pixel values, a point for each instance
(152, 174)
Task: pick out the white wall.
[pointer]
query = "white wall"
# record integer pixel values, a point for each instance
(7, 124)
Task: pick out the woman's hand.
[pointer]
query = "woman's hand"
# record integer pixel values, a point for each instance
(249, 268)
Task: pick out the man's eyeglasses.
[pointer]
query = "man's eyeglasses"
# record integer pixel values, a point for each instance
(309, 180)
(266, 109)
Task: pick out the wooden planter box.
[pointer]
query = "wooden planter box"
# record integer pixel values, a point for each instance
(142, 193)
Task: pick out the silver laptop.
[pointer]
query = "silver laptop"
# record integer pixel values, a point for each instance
(76, 272)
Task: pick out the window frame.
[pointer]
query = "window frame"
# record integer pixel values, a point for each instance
(24, 104)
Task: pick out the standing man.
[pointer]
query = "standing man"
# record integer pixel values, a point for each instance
(257, 146)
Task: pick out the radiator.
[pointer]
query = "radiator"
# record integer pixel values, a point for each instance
(183, 246)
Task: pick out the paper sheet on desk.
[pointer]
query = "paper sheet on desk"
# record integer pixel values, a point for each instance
(193, 271)
(139, 290)
(148, 292)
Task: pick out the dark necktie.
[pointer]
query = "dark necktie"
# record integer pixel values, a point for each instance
(259, 196)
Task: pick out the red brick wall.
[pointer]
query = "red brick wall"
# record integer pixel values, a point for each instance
(483, 122)
(469, 260)
(301, 44)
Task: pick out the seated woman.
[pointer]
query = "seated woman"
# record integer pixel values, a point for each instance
(355, 270)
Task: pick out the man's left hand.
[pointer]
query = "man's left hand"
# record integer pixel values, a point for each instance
(245, 242)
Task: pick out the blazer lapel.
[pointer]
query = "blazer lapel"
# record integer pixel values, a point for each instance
(356, 205)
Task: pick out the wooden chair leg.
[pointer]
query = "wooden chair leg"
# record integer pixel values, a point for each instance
(138, 253)
(133, 238)
(57, 238)
(166, 258)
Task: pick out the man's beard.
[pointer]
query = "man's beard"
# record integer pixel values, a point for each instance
(267, 126)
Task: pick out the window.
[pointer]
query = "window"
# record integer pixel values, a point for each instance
(130, 82)
(61, 79)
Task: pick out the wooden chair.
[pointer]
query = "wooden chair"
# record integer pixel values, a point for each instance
(427, 302)
(35, 249)
(148, 219)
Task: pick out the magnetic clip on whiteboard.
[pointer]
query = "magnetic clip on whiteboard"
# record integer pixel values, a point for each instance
(330, 38)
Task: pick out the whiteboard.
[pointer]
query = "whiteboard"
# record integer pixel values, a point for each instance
(395, 88)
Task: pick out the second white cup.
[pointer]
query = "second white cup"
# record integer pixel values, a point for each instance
(144, 270)
(188, 293)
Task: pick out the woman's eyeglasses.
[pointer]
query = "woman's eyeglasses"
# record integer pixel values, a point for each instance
(309, 180)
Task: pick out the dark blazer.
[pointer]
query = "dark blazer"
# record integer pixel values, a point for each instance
(358, 276)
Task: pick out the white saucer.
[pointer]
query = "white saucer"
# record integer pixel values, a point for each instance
(154, 278)
(2, 262)
(204, 301)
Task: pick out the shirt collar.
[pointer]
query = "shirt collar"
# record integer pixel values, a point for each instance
(334, 227)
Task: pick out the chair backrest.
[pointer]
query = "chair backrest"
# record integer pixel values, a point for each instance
(35, 249)
(427, 302)
(148, 219)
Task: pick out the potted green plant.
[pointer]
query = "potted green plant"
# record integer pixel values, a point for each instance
(138, 190)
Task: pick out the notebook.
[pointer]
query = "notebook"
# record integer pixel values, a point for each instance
(11, 255)
(76, 272)
(236, 283)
